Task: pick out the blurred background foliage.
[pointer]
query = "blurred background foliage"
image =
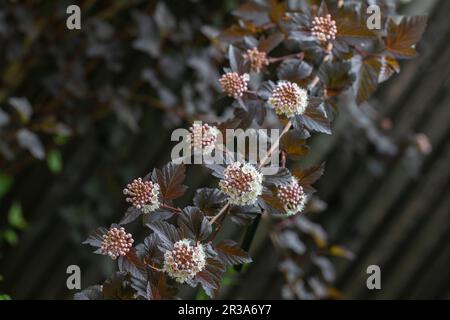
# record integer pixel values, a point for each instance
(82, 112)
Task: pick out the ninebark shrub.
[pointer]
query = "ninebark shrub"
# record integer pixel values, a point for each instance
(287, 66)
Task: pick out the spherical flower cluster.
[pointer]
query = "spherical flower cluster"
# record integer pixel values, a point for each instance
(203, 137)
(258, 59)
(292, 197)
(324, 28)
(116, 243)
(289, 99)
(184, 261)
(143, 195)
(242, 182)
(233, 84)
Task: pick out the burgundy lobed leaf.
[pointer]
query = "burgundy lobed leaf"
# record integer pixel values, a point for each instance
(269, 43)
(243, 215)
(282, 177)
(118, 287)
(90, 293)
(209, 200)
(131, 214)
(309, 176)
(294, 143)
(231, 254)
(132, 264)
(194, 225)
(401, 38)
(170, 180)
(315, 119)
(166, 232)
(211, 277)
(95, 238)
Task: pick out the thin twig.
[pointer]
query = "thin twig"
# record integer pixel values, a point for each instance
(166, 206)
(298, 55)
(222, 211)
(275, 145)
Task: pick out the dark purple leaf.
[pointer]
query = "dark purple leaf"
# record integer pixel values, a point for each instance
(294, 70)
(211, 277)
(401, 38)
(209, 201)
(90, 293)
(170, 180)
(309, 176)
(131, 214)
(118, 287)
(231, 254)
(193, 224)
(282, 177)
(95, 238)
(167, 233)
(132, 264)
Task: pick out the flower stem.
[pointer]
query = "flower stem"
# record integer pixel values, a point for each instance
(298, 55)
(222, 211)
(166, 206)
(275, 145)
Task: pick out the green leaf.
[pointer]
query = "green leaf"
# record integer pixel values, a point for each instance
(54, 161)
(61, 139)
(401, 38)
(201, 295)
(5, 183)
(230, 277)
(15, 216)
(4, 297)
(10, 237)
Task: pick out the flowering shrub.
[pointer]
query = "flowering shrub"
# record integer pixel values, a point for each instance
(289, 67)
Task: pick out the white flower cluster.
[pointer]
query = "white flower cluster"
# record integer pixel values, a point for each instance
(203, 137)
(143, 195)
(324, 28)
(258, 59)
(289, 99)
(184, 261)
(292, 197)
(233, 84)
(242, 182)
(116, 243)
